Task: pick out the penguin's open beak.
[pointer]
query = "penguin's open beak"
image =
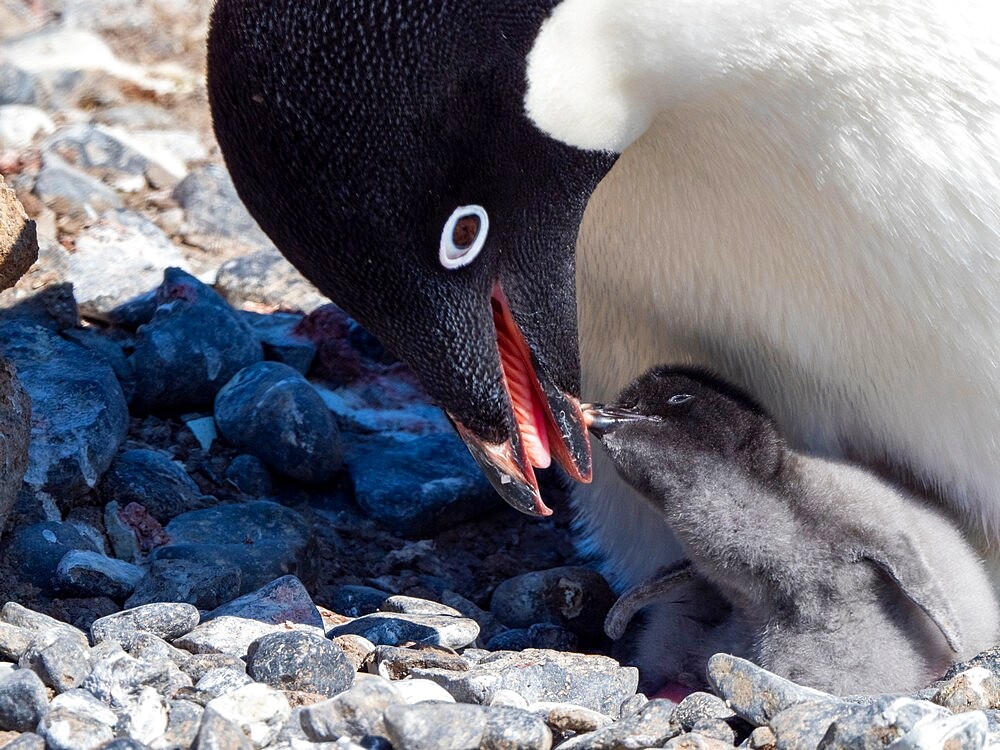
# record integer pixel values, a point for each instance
(549, 423)
(601, 419)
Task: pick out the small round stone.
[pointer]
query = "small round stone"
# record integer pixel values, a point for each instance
(23, 701)
(165, 620)
(294, 660)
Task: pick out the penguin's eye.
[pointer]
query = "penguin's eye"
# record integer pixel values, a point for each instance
(680, 398)
(463, 236)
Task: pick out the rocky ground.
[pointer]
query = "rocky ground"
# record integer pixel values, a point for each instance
(241, 523)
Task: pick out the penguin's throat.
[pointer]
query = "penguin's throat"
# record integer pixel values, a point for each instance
(523, 388)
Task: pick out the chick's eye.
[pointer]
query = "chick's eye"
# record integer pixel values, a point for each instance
(680, 398)
(463, 236)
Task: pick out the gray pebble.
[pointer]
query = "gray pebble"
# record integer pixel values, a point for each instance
(204, 585)
(969, 729)
(566, 718)
(26, 741)
(354, 601)
(514, 729)
(427, 726)
(58, 659)
(694, 741)
(144, 718)
(395, 663)
(225, 635)
(152, 648)
(358, 650)
(201, 664)
(37, 623)
(82, 702)
(650, 727)
(63, 729)
(67, 190)
(698, 707)
(411, 605)
(34, 551)
(83, 573)
(277, 334)
(118, 680)
(213, 211)
(754, 693)
(392, 629)
(265, 276)
(218, 733)
(271, 411)
(125, 743)
(23, 701)
(299, 661)
(258, 710)
(222, 680)
(716, 729)
(14, 641)
(183, 720)
(356, 713)
(94, 148)
(168, 621)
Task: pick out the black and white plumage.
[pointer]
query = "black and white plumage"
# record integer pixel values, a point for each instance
(835, 578)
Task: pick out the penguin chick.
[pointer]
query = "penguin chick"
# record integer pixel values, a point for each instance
(846, 583)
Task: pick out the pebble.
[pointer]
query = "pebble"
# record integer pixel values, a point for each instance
(60, 660)
(357, 649)
(567, 718)
(650, 727)
(222, 680)
(283, 600)
(69, 191)
(271, 411)
(183, 720)
(193, 346)
(300, 661)
(716, 729)
(573, 597)
(431, 727)
(83, 573)
(539, 635)
(282, 343)
(214, 215)
(418, 485)
(592, 681)
(354, 601)
(151, 648)
(153, 480)
(206, 585)
(507, 698)
(26, 741)
(145, 718)
(754, 693)
(168, 621)
(258, 710)
(14, 641)
(423, 691)
(199, 665)
(79, 416)
(82, 702)
(36, 623)
(264, 539)
(23, 701)
(965, 730)
(20, 124)
(250, 475)
(96, 148)
(118, 679)
(974, 689)
(698, 707)
(218, 733)
(225, 635)
(394, 629)
(265, 277)
(64, 730)
(356, 713)
(694, 741)
(396, 663)
(36, 550)
(123, 534)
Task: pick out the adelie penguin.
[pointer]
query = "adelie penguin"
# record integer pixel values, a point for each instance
(801, 195)
(834, 578)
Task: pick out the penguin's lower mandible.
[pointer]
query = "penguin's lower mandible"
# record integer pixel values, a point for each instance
(801, 195)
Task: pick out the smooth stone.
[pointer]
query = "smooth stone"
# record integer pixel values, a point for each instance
(423, 691)
(125, 743)
(117, 259)
(716, 729)
(183, 721)
(507, 698)
(565, 718)
(698, 707)
(356, 713)
(299, 661)
(168, 621)
(23, 701)
(193, 346)
(265, 277)
(71, 192)
(592, 681)
(35, 551)
(650, 727)
(250, 475)
(58, 659)
(79, 416)
(36, 623)
(393, 629)
(354, 601)
(153, 480)
(277, 334)
(225, 635)
(20, 124)
(204, 585)
(573, 597)
(411, 605)
(489, 625)
(418, 485)
(84, 573)
(540, 635)
(271, 411)
(222, 680)
(974, 689)
(762, 738)
(514, 728)
(219, 733)
(213, 212)
(264, 539)
(65, 730)
(427, 726)
(258, 710)
(754, 693)
(395, 663)
(283, 600)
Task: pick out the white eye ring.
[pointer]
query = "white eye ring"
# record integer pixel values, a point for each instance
(453, 255)
(680, 398)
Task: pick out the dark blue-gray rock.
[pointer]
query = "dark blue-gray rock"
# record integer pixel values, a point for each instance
(206, 585)
(15, 437)
(166, 621)
(489, 625)
(79, 416)
(300, 661)
(35, 551)
(17, 86)
(71, 192)
(650, 727)
(193, 346)
(92, 147)
(83, 573)
(435, 727)
(118, 259)
(418, 485)
(153, 480)
(63, 729)
(716, 729)
(394, 629)
(134, 312)
(267, 278)
(264, 539)
(250, 475)
(754, 693)
(222, 680)
(355, 713)
(213, 212)
(574, 597)
(592, 681)
(354, 601)
(693, 741)
(514, 639)
(395, 663)
(58, 659)
(277, 334)
(183, 720)
(367, 345)
(543, 635)
(26, 741)
(281, 601)
(271, 411)
(218, 733)
(23, 701)
(699, 707)
(106, 348)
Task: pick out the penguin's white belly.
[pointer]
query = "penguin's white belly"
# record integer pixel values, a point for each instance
(838, 254)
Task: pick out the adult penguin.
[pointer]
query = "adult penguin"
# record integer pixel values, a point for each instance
(800, 194)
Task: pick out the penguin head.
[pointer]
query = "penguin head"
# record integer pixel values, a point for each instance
(671, 427)
(385, 149)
